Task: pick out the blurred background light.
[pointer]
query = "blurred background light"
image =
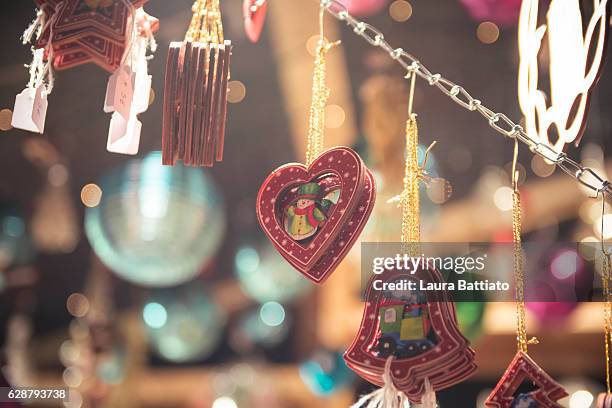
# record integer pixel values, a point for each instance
(91, 194)
(156, 225)
(264, 275)
(193, 323)
(325, 372)
(77, 304)
(566, 263)
(154, 315)
(272, 313)
(581, 399)
(236, 91)
(487, 32)
(503, 198)
(6, 117)
(400, 10)
(224, 402)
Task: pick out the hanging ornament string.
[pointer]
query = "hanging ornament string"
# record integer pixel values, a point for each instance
(519, 277)
(320, 95)
(409, 199)
(206, 25)
(605, 283)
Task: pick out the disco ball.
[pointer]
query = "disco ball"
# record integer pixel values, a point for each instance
(183, 324)
(156, 225)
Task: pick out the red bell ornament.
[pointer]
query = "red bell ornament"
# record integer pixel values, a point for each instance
(410, 336)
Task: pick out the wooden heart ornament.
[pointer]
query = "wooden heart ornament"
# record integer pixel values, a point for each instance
(254, 12)
(314, 214)
(416, 328)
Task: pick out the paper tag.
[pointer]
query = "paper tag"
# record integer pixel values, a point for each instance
(124, 136)
(119, 91)
(142, 93)
(30, 110)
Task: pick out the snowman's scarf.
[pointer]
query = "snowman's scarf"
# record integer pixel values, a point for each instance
(390, 397)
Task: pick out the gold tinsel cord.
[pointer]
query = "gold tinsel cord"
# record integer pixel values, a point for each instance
(411, 223)
(206, 24)
(320, 94)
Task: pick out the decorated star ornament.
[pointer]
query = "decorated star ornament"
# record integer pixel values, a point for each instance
(68, 33)
(546, 391)
(314, 212)
(409, 342)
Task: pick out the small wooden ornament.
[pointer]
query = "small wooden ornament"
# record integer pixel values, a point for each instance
(313, 215)
(195, 91)
(523, 368)
(417, 329)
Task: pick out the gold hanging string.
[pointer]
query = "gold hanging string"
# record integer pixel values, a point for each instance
(206, 24)
(320, 95)
(605, 283)
(519, 277)
(409, 199)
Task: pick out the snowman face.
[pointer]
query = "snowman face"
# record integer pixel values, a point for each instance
(304, 203)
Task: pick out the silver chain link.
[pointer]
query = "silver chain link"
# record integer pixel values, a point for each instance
(498, 121)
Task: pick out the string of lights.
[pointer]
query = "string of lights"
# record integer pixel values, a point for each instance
(498, 121)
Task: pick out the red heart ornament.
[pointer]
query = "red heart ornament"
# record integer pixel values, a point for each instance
(254, 12)
(417, 328)
(313, 215)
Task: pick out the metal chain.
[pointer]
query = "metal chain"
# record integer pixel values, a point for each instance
(498, 121)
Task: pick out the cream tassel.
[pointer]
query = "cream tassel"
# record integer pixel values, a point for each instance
(386, 397)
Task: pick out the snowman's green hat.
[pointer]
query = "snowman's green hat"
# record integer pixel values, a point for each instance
(309, 190)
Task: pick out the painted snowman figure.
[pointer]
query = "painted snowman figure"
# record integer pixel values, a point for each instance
(304, 216)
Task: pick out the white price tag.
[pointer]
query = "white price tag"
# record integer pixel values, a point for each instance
(119, 91)
(124, 136)
(30, 110)
(142, 93)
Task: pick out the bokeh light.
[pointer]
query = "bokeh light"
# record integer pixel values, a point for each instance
(487, 32)
(400, 10)
(503, 198)
(272, 313)
(566, 264)
(156, 225)
(91, 194)
(16, 247)
(236, 91)
(251, 331)
(77, 305)
(325, 372)
(581, 399)
(192, 327)
(540, 167)
(154, 315)
(334, 116)
(57, 175)
(6, 117)
(224, 402)
(264, 275)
